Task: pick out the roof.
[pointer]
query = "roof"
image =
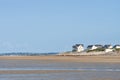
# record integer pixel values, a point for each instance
(98, 45)
(90, 46)
(79, 45)
(107, 46)
(116, 45)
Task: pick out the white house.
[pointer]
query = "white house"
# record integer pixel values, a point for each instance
(99, 46)
(117, 46)
(78, 48)
(108, 48)
(92, 47)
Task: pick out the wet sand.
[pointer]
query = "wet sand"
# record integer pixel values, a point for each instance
(58, 75)
(36, 71)
(59, 67)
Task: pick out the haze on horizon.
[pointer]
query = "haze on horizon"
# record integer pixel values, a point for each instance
(56, 25)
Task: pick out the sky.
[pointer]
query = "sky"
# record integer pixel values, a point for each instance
(56, 25)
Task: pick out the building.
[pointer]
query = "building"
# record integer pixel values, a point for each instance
(99, 46)
(117, 47)
(108, 48)
(78, 48)
(92, 47)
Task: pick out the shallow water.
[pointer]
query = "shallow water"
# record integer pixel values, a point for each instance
(77, 70)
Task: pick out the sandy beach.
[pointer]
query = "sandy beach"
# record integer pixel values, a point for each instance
(65, 58)
(59, 67)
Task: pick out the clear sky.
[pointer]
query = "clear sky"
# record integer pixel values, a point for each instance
(56, 25)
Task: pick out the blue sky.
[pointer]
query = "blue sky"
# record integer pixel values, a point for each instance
(56, 25)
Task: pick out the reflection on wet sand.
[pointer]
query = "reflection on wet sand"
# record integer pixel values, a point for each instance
(60, 68)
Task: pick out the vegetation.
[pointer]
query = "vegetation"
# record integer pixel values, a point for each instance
(26, 54)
